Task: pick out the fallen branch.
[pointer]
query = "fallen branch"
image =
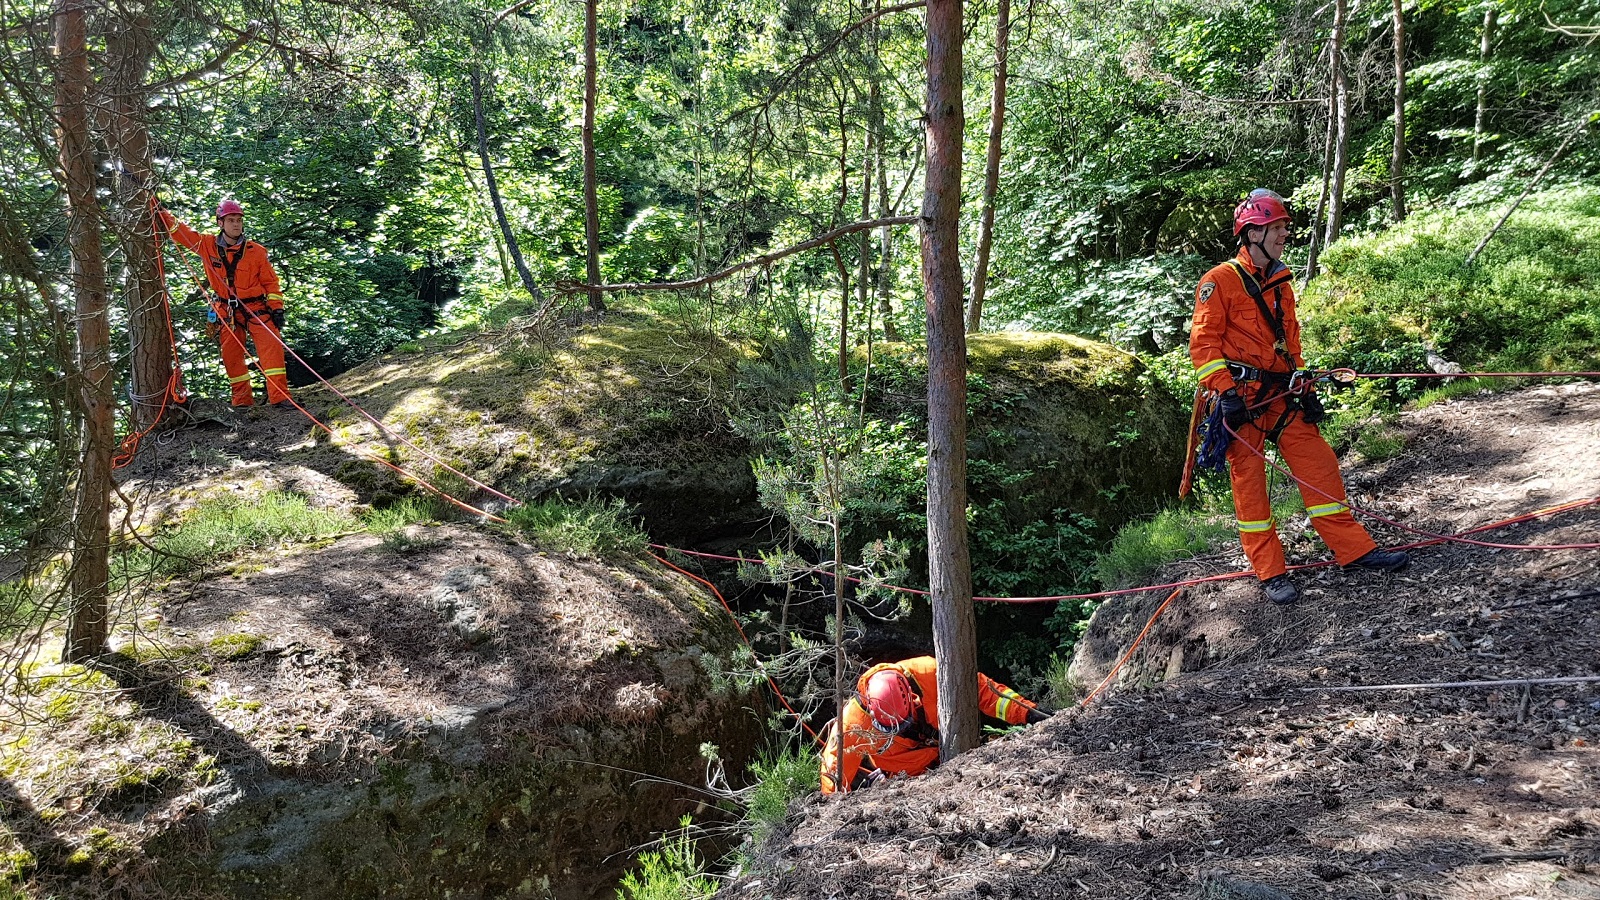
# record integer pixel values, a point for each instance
(569, 286)
(1583, 125)
(1504, 682)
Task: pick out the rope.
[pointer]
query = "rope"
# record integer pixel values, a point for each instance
(743, 637)
(1132, 647)
(129, 447)
(1432, 537)
(1172, 585)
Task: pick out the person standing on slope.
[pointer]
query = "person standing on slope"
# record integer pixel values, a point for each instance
(891, 726)
(1245, 345)
(246, 301)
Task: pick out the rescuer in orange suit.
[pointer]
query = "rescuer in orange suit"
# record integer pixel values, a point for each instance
(891, 725)
(246, 300)
(1246, 346)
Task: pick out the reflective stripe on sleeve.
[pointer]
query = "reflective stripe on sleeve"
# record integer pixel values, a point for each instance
(1215, 365)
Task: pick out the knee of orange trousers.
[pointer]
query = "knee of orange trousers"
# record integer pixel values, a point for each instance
(269, 353)
(1313, 462)
(1247, 473)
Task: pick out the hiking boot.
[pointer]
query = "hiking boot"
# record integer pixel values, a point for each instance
(1279, 589)
(1381, 560)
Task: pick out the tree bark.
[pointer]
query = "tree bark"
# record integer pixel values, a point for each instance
(1397, 161)
(991, 169)
(1315, 225)
(87, 626)
(883, 282)
(591, 189)
(493, 187)
(1486, 42)
(1341, 123)
(949, 567)
(130, 46)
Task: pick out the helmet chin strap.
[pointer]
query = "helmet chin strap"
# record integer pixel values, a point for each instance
(1261, 245)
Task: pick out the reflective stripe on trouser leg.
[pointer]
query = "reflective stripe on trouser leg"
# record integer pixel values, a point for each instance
(231, 341)
(1313, 462)
(1251, 506)
(269, 352)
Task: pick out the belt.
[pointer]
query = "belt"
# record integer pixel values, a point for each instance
(1244, 373)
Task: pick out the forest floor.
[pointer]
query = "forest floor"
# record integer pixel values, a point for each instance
(1233, 759)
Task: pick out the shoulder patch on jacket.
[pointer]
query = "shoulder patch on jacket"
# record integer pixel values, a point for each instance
(1206, 289)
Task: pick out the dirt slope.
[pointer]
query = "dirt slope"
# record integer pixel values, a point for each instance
(1227, 763)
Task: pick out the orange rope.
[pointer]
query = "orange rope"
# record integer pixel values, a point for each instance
(1126, 656)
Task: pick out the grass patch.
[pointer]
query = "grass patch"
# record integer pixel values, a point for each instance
(224, 526)
(390, 523)
(591, 528)
(1143, 547)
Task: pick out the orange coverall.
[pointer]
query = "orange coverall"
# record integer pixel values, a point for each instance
(254, 284)
(917, 750)
(1229, 327)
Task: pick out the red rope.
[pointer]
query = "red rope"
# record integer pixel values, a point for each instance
(1228, 576)
(743, 637)
(1132, 647)
(130, 444)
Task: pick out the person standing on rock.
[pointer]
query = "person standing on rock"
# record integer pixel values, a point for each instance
(891, 725)
(246, 301)
(1245, 345)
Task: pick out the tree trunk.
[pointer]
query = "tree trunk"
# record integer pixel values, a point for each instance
(493, 187)
(130, 46)
(87, 581)
(1397, 162)
(591, 189)
(884, 281)
(1315, 225)
(949, 568)
(991, 170)
(1490, 17)
(1341, 124)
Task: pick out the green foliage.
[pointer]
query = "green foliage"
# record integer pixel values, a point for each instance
(1532, 300)
(221, 527)
(589, 527)
(391, 522)
(1179, 532)
(780, 780)
(673, 872)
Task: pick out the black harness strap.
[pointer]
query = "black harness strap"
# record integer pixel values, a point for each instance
(1273, 313)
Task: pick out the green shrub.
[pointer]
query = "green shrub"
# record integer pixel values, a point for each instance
(1532, 300)
(673, 872)
(582, 528)
(780, 780)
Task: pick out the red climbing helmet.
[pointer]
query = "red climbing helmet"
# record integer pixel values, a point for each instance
(888, 699)
(229, 207)
(1262, 207)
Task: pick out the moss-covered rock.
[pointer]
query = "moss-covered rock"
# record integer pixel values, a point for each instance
(1072, 423)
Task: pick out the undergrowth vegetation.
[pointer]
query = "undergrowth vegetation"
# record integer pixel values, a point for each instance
(221, 527)
(590, 527)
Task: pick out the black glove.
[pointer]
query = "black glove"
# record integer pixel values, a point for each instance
(1311, 408)
(277, 319)
(1039, 714)
(1234, 412)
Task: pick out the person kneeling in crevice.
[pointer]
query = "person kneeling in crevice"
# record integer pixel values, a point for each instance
(891, 726)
